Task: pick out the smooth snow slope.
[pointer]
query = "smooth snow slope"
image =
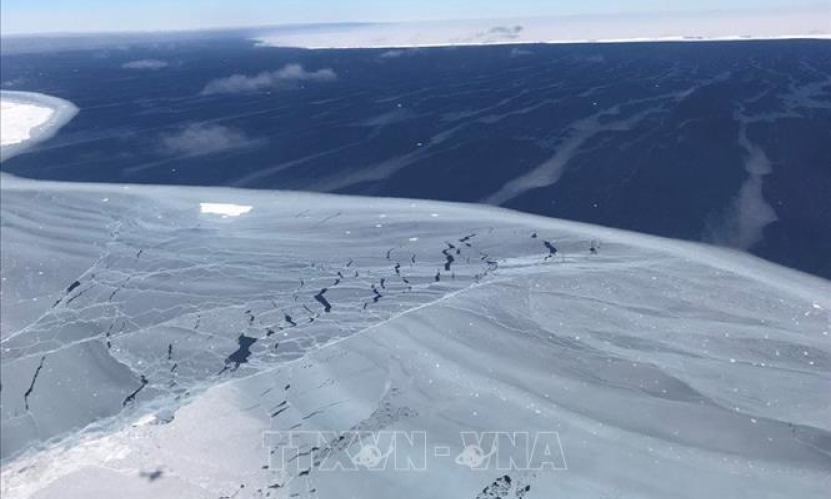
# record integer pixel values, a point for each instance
(150, 335)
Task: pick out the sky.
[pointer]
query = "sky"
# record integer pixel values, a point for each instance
(44, 16)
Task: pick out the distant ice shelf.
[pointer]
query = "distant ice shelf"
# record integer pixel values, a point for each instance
(747, 24)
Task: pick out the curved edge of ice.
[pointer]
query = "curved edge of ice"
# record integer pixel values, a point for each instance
(274, 42)
(786, 279)
(62, 112)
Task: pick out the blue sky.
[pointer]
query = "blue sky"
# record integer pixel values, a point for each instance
(28, 16)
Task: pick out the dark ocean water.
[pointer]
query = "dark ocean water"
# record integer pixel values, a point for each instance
(726, 142)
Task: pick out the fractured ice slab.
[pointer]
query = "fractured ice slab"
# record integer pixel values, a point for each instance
(147, 345)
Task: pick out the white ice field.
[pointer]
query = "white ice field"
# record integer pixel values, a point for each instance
(152, 337)
(27, 118)
(793, 21)
(18, 119)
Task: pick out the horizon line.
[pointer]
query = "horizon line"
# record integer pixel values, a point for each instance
(244, 27)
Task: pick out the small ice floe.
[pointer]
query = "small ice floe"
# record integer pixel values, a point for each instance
(224, 209)
(145, 420)
(19, 119)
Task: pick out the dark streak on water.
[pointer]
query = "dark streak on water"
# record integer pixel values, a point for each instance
(131, 397)
(241, 354)
(448, 257)
(32, 384)
(327, 307)
(552, 251)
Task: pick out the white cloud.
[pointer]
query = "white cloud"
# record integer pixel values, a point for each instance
(518, 52)
(146, 64)
(290, 73)
(398, 53)
(198, 139)
(391, 54)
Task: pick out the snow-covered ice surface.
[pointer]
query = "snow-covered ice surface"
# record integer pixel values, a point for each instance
(17, 120)
(27, 118)
(792, 22)
(148, 343)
